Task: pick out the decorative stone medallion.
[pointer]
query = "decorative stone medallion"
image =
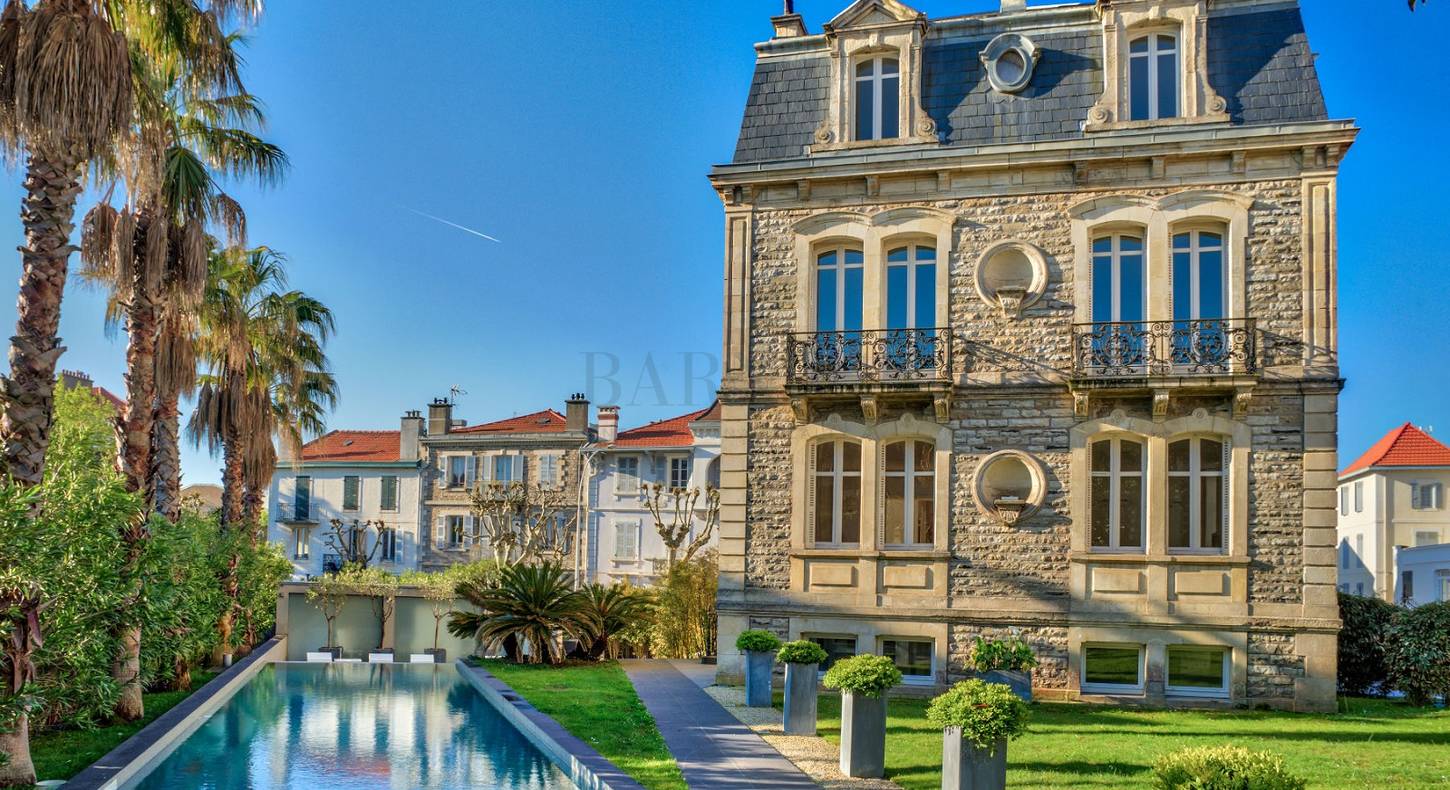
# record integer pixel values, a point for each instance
(1010, 60)
(1012, 275)
(1010, 485)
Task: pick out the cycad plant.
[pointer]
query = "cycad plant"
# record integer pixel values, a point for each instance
(609, 610)
(528, 604)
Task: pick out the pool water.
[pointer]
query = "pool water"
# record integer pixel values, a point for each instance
(356, 727)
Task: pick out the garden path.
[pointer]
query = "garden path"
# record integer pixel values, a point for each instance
(714, 750)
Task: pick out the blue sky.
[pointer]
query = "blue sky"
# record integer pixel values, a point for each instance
(580, 134)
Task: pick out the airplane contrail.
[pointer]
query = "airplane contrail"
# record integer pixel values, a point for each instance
(453, 225)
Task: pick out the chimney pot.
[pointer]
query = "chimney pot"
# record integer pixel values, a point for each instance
(608, 423)
(440, 417)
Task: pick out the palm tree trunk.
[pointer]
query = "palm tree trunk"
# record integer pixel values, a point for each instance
(166, 457)
(48, 213)
(126, 671)
(252, 509)
(233, 481)
(142, 330)
(18, 770)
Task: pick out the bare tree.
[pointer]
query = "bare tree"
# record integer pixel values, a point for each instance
(675, 512)
(528, 522)
(349, 541)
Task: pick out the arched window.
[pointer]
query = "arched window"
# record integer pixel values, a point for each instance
(1153, 77)
(1197, 494)
(878, 99)
(1117, 494)
(836, 492)
(909, 504)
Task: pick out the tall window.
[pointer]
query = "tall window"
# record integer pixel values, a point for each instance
(1407, 586)
(679, 473)
(1153, 77)
(1198, 276)
(302, 499)
(549, 471)
(1117, 494)
(301, 545)
(388, 540)
(628, 479)
(909, 470)
(455, 527)
(1344, 500)
(878, 99)
(1359, 496)
(508, 468)
(626, 540)
(1119, 294)
(457, 471)
(839, 277)
(836, 492)
(351, 492)
(1196, 494)
(911, 305)
(388, 494)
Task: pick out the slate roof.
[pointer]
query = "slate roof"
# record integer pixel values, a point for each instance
(1259, 61)
(1403, 446)
(546, 421)
(358, 446)
(673, 432)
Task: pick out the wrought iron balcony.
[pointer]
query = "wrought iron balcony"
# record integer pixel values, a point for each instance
(331, 563)
(869, 355)
(1140, 349)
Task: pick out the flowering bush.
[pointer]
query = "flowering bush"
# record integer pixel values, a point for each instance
(986, 712)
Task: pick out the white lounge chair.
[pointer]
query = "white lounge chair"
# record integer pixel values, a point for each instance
(380, 658)
(319, 658)
(420, 658)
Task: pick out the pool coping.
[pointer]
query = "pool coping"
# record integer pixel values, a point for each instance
(153, 742)
(589, 769)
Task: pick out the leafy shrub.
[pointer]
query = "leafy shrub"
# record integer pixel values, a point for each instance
(801, 651)
(986, 712)
(1417, 652)
(530, 604)
(1007, 655)
(1362, 642)
(608, 612)
(1223, 768)
(865, 675)
(684, 613)
(758, 641)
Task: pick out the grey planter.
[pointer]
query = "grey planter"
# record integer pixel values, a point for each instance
(439, 654)
(863, 736)
(964, 766)
(800, 698)
(758, 666)
(1021, 682)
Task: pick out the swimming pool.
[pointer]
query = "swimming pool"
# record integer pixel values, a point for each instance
(355, 727)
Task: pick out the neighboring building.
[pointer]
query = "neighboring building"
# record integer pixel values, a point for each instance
(681, 452)
(363, 476)
(1030, 327)
(1391, 512)
(205, 498)
(540, 448)
(75, 378)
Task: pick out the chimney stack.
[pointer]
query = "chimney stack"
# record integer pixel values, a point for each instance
(408, 445)
(1008, 6)
(789, 24)
(576, 413)
(70, 379)
(608, 423)
(440, 416)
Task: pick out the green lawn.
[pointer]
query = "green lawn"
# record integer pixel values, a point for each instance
(61, 754)
(1373, 743)
(596, 702)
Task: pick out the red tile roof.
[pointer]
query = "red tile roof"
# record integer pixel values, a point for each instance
(673, 432)
(116, 401)
(546, 421)
(1403, 446)
(353, 446)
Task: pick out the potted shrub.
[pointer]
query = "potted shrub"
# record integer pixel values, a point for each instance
(977, 719)
(802, 659)
(759, 649)
(863, 681)
(329, 595)
(1005, 661)
(438, 590)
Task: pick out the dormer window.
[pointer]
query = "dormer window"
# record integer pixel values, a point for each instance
(1153, 77)
(878, 99)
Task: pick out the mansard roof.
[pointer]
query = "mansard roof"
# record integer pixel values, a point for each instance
(1405, 446)
(1259, 61)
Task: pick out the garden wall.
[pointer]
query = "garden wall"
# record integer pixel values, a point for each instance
(357, 626)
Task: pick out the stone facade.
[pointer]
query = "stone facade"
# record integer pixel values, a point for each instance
(1016, 365)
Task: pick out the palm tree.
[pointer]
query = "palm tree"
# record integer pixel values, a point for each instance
(529, 604)
(610, 610)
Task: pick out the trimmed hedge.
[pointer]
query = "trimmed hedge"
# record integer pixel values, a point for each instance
(1417, 652)
(1362, 666)
(986, 712)
(1223, 768)
(864, 675)
(801, 651)
(757, 640)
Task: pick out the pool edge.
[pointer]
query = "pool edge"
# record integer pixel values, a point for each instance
(588, 769)
(154, 741)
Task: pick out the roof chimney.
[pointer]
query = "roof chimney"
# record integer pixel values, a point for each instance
(576, 413)
(1008, 6)
(608, 423)
(440, 416)
(412, 431)
(71, 379)
(789, 24)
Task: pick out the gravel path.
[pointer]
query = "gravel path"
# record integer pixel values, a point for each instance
(818, 758)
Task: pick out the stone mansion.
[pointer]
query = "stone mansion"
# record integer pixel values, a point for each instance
(1030, 327)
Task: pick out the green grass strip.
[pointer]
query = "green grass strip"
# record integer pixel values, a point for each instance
(597, 704)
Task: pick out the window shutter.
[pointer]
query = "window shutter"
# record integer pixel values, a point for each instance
(470, 532)
(1415, 492)
(881, 495)
(1226, 483)
(440, 528)
(810, 536)
(470, 470)
(521, 471)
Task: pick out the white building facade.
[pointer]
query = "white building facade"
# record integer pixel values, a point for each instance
(1394, 527)
(679, 453)
(367, 477)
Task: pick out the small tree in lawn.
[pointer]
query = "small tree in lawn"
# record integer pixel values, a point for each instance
(674, 513)
(349, 541)
(528, 523)
(329, 594)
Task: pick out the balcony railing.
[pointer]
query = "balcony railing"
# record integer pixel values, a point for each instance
(1129, 349)
(869, 355)
(331, 563)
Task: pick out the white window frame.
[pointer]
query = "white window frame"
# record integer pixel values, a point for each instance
(1443, 576)
(676, 463)
(1344, 500)
(1196, 475)
(877, 78)
(466, 463)
(626, 483)
(301, 543)
(912, 680)
(839, 476)
(1115, 476)
(462, 531)
(1113, 688)
(840, 267)
(911, 475)
(812, 636)
(1196, 691)
(1154, 77)
(913, 265)
(1418, 491)
(1195, 250)
(633, 529)
(1434, 535)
